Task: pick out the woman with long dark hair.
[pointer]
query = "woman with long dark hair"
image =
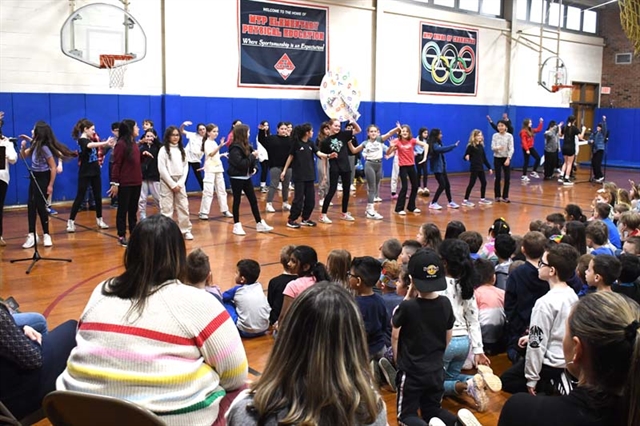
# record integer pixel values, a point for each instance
(44, 151)
(242, 165)
(146, 337)
(439, 168)
(126, 178)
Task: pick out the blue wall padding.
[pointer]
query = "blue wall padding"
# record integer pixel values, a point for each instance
(456, 122)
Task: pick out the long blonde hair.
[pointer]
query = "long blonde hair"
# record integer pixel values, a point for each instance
(312, 385)
(607, 325)
(472, 138)
(338, 264)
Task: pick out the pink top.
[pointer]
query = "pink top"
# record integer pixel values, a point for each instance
(297, 286)
(489, 296)
(405, 152)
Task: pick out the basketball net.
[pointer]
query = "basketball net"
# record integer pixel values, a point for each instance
(630, 20)
(116, 74)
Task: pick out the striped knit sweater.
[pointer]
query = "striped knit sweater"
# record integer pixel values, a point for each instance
(176, 359)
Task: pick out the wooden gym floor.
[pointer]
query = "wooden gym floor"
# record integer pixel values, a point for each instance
(60, 290)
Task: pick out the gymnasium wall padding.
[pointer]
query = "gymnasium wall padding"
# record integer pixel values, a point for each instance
(456, 121)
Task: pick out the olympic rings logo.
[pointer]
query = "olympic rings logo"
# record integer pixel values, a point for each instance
(448, 63)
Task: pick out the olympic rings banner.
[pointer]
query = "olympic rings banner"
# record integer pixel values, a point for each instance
(282, 44)
(448, 60)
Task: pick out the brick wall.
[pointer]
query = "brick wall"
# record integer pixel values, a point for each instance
(624, 80)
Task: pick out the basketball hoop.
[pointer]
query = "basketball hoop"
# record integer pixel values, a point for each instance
(117, 66)
(565, 90)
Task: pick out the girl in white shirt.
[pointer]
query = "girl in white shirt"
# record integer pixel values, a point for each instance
(194, 149)
(11, 156)
(213, 175)
(174, 168)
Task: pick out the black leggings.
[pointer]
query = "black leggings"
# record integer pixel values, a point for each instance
(550, 163)
(472, 182)
(596, 163)
(237, 186)
(443, 185)
(3, 195)
(499, 167)
(128, 197)
(536, 157)
(264, 171)
(195, 167)
(410, 172)
(422, 170)
(83, 182)
(37, 203)
(334, 174)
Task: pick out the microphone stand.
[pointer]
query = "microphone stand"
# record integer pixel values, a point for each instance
(36, 255)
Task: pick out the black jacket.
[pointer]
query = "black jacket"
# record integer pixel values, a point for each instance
(240, 164)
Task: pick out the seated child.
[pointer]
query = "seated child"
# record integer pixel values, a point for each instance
(632, 246)
(541, 369)
(581, 271)
(556, 220)
(408, 248)
(390, 250)
(490, 300)
(279, 283)
(363, 276)
(387, 283)
(474, 241)
(500, 226)
(454, 229)
(597, 235)
(603, 271)
(504, 246)
(246, 303)
(629, 279)
(199, 273)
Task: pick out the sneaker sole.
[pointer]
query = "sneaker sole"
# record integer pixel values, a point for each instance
(482, 400)
(492, 381)
(467, 418)
(389, 373)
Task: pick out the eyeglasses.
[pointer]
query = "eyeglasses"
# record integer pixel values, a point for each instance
(541, 264)
(350, 275)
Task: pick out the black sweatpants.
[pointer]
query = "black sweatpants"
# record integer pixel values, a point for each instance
(499, 168)
(421, 392)
(334, 174)
(596, 164)
(128, 197)
(514, 381)
(304, 200)
(550, 164)
(37, 203)
(472, 182)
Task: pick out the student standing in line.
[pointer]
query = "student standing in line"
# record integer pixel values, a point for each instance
(322, 164)
(242, 165)
(421, 166)
(149, 149)
(551, 146)
(263, 158)
(571, 137)
(44, 151)
(598, 142)
(439, 168)
(477, 158)
(502, 147)
(527, 139)
(213, 174)
(338, 142)
(126, 178)
(404, 146)
(301, 161)
(193, 150)
(174, 168)
(505, 119)
(278, 147)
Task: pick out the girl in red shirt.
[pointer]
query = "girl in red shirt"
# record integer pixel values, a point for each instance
(526, 140)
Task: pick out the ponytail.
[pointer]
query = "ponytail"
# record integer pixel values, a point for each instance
(319, 272)
(456, 254)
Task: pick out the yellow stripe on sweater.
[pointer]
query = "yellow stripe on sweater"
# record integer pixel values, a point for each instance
(236, 372)
(132, 378)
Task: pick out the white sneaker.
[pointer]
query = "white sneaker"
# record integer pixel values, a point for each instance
(353, 188)
(71, 227)
(263, 227)
(416, 211)
(468, 203)
(339, 187)
(237, 229)
(280, 186)
(46, 240)
(435, 421)
(377, 200)
(188, 235)
(325, 219)
(401, 213)
(485, 202)
(524, 179)
(31, 241)
(291, 187)
(203, 216)
(286, 206)
(466, 418)
(347, 216)
(270, 208)
(534, 175)
(321, 202)
(3, 243)
(453, 205)
(372, 214)
(264, 189)
(101, 223)
(435, 206)
(420, 191)
(227, 214)
(475, 389)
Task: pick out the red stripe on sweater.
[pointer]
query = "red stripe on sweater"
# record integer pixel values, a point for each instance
(141, 332)
(211, 328)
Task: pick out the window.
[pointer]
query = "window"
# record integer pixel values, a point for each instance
(448, 3)
(492, 7)
(573, 18)
(537, 14)
(589, 22)
(471, 5)
(555, 14)
(521, 13)
(624, 58)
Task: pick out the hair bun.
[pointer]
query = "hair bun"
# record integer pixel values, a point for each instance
(631, 330)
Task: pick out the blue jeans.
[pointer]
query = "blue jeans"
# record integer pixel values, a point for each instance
(33, 319)
(454, 357)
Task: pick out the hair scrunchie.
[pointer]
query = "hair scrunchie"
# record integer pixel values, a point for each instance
(631, 330)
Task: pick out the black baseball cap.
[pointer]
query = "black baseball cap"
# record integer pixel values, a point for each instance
(427, 271)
